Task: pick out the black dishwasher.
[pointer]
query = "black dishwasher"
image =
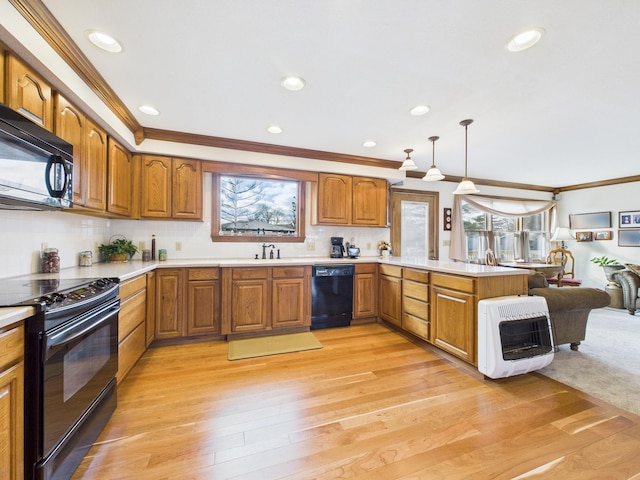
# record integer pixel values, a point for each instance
(331, 296)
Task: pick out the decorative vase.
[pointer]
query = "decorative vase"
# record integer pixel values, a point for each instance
(384, 254)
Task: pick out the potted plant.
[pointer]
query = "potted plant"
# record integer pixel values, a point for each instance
(118, 250)
(609, 265)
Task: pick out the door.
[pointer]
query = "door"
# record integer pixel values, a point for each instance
(414, 224)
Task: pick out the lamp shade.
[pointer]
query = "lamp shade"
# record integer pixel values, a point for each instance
(466, 187)
(408, 164)
(433, 175)
(562, 234)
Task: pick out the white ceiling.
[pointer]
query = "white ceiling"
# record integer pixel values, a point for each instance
(562, 113)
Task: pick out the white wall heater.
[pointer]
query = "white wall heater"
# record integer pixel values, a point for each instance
(514, 335)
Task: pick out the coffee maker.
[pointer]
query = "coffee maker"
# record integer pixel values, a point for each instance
(337, 248)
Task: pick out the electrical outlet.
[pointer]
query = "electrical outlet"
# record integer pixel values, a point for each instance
(142, 245)
(311, 246)
(446, 243)
(178, 246)
(368, 245)
(96, 245)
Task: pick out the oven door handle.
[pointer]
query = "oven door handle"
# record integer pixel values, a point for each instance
(77, 329)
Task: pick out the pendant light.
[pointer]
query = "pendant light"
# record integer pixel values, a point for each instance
(433, 175)
(408, 163)
(466, 186)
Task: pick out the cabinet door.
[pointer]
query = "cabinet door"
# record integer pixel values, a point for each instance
(169, 303)
(156, 187)
(186, 198)
(11, 421)
(95, 167)
(288, 302)
(203, 302)
(369, 201)
(365, 291)
(150, 322)
(249, 305)
(453, 315)
(121, 174)
(390, 299)
(70, 124)
(28, 93)
(334, 199)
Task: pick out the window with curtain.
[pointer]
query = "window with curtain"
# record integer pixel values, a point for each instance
(514, 229)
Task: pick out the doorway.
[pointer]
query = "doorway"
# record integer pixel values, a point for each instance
(414, 224)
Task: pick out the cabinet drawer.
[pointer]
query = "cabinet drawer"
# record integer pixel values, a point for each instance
(415, 308)
(132, 312)
(415, 325)
(288, 272)
(204, 274)
(419, 291)
(390, 270)
(366, 267)
(461, 284)
(129, 287)
(416, 275)
(11, 346)
(130, 350)
(249, 273)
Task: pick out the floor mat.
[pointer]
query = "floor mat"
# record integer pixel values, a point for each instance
(272, 345)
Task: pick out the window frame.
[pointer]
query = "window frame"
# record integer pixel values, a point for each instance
(266, 173)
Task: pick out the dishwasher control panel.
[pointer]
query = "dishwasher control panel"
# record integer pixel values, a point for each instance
(332, 270)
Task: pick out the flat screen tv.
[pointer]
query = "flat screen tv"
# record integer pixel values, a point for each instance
(581, 221)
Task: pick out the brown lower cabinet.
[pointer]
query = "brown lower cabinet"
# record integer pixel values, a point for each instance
(440, 307)
(365, 291)
(187, 302)
(131, 323)
(11, 402)
(259, 299)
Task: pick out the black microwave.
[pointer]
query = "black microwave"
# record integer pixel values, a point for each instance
(36, 166)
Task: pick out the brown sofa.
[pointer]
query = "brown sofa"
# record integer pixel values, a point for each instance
(569, 308)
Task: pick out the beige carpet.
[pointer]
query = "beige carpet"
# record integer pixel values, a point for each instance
(607, 364)
(272, 345)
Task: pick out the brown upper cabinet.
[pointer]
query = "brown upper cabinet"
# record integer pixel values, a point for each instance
(89, 154)
(121, 180)
(171, 188)
(28, 93)
(347, 200)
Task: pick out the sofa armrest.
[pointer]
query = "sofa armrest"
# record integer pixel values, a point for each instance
(630, 283)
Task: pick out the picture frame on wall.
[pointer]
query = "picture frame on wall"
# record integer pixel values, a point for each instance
(602, 235)
(630, 219)
(584, 236)
(629, 237)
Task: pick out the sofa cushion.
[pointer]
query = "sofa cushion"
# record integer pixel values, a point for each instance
(537, 280)
(634, 268)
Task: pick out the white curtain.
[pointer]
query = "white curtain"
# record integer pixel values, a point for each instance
(504, 207)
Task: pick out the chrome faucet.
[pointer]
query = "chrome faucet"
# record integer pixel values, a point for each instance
(264, 250)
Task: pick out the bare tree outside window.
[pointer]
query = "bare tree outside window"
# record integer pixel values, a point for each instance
(257, 206)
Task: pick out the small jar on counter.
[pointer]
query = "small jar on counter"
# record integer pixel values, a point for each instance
(146, 255)
(162, 254)
(50, 261)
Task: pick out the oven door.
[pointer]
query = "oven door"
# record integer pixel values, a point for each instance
(80, 358)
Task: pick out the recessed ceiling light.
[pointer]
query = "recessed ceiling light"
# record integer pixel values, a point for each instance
(104, 41)
(369, 144)
(293, 83)
(149, 110)
(525, 39)
(274, 129)
(420, 110)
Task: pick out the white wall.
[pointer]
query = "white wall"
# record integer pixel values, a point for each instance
(614, 198)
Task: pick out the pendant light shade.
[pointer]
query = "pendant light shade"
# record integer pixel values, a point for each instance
(433, 175)
(466, 186)
(408, 163)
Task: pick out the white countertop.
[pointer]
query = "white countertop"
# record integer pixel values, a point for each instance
(12, 315)
(455, 268)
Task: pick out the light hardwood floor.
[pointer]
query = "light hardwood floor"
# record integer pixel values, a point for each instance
(369, 405)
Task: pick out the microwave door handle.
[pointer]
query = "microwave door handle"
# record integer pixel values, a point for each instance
(57, 160)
